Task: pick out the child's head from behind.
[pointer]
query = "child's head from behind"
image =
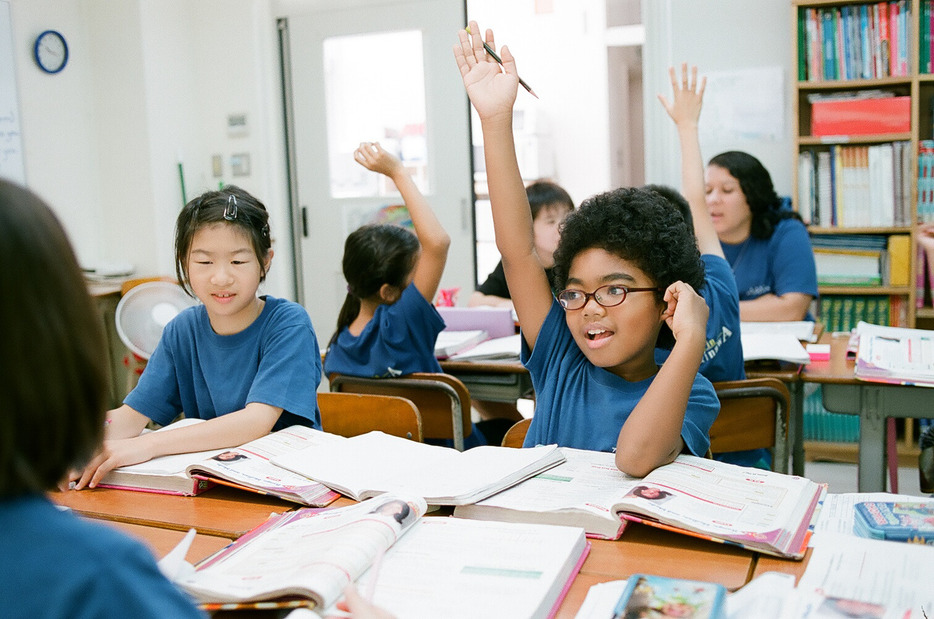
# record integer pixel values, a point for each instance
(676, 200)
(229, 209)
(550, 204)
(379, 261)
(53, 375)
(634, 239)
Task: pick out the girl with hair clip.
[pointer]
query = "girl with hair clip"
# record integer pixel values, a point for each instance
(627, 267)
(767, 246)
(53, 386)
(246, 364)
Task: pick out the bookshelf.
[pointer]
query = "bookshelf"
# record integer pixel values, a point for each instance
(839, 49)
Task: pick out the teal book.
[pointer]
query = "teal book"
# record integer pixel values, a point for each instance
(659, 596)
(900, 522)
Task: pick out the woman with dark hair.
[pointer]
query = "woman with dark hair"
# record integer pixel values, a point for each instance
(53, 384)
(767, 246)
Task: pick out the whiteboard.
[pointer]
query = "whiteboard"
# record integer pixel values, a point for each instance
(11, 140)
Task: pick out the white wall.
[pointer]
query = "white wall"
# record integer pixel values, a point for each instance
(149, 82)
(721, 36)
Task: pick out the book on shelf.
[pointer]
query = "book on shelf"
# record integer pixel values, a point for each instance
(848, 267)
(371, 464)
(247, 467)
(896, 521)
(756, 509)
(844, 312)
(895, 355)
(476, 568)
(452, 342)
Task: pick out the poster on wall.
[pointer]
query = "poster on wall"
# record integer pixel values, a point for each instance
(11, 141)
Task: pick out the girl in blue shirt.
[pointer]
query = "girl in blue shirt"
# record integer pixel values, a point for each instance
(246, 364)
(387, 325)
(768, 247)
(628, 267)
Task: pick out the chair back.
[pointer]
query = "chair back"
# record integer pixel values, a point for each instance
(351, 414)
(442, 400)
(753, 415)
(515, 436)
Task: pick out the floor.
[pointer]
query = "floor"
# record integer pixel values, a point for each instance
(841, 478)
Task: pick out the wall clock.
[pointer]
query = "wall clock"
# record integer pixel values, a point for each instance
(51, 51)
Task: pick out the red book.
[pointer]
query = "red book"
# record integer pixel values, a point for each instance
(861, 116)
(884, 43)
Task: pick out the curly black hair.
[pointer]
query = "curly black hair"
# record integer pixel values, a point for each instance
(756, 185)
(637, 225)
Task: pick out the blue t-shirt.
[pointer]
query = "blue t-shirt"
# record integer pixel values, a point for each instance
(399, 340)
(580, 405)
(778, 265)
(54, 564)
(274, 361)
(723, 353)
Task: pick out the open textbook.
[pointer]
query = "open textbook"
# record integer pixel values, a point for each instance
(760, 510)
(247, 467)
(895, 355)
(373, 463)
(432, 567)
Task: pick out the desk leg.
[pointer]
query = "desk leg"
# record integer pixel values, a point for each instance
(871, 441)
(796, 428)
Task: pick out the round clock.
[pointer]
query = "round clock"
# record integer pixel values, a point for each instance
(51, 51)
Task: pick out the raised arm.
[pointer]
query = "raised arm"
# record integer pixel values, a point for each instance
(684, 109)
(492, 92)
(431, 234)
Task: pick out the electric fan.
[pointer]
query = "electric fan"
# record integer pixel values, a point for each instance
(144, 311)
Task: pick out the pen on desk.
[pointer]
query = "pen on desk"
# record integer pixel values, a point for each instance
(499, 60)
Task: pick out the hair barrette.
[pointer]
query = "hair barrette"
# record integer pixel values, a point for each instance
(230, 211)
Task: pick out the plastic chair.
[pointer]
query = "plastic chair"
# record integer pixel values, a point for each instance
(351, 414)
(515, 436)
(442, 400)
(753, 415)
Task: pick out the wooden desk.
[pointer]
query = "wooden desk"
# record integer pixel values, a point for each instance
(223, 512)
(160, 541)
(502, 381)
(765, 563)
(646, 550)
(873, 402)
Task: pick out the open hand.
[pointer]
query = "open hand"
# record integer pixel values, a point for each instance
(687, 97)
(491, 88)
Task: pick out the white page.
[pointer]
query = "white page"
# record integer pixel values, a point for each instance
(601, 600)
(894, 574)
(802, 330)
(777, 346)
(382, 463)
(496, 348)
(448, 567)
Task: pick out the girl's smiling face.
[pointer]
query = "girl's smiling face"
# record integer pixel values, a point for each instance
(225, 273)
(620, 339)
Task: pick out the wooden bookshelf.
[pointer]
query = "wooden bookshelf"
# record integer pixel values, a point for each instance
(916, 85)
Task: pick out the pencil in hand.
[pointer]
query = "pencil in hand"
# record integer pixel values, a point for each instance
(499, 61)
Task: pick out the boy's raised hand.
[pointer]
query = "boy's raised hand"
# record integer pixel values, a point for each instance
(687, 312)
(687, 97)
(375, 158)
(492, 89)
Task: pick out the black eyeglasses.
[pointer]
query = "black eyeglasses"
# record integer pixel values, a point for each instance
(610, 295)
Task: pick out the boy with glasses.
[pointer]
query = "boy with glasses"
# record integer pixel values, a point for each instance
(627, 268)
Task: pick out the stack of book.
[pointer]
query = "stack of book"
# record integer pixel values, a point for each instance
(851, 260)
(858, 41)
(856, 186)
(844, 312)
